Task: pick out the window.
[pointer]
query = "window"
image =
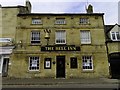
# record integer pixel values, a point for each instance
(36, 21)
(60, 21)
(47, 63)
(35, 37)
(84, 21)
(87, 62)
(5, 39)
(33, 63)
(61, 37)
(73, 62)
(115, 36)
(85, 37)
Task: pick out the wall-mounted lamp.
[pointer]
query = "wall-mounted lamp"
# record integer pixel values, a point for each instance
(20, 44)
(47, 35)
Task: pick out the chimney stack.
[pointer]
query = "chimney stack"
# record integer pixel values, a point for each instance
(89, 9)
(29, 6)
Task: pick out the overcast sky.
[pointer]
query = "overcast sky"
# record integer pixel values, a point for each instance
(108, 7)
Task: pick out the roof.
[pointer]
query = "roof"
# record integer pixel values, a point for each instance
(29, 14)
(13, 6)
(109, 27)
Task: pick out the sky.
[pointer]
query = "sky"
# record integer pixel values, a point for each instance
(108, 7)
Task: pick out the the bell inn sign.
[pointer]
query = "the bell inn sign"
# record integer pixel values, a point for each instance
(60, 48)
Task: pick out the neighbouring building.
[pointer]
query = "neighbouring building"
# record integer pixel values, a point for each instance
(8, 24)
(113, 48)
(63, 45)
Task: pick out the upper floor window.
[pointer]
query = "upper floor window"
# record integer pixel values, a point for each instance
(35, 37)
(87, 62)
(60, 21)
(36, 21)
(84, 21)
(115, 36)
(85, 37)
(33, 63)
(60, 37)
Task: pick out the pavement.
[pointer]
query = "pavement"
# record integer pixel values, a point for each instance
(52, 81)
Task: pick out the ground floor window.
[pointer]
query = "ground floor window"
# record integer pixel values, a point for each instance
(87, 62)
(33, 63)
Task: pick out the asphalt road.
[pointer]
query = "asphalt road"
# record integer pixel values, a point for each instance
(99, 86)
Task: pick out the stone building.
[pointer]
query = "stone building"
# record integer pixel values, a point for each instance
(8, 24)
(113, 48)
(64, 45)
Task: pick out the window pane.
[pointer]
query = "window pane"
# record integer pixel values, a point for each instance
(60, 21)
(87, 63)
(33, 63)
(35, 37)
(113, 36)
(118, 35)
(84, 20)
(36, 21)
(60, 37)
(85, 37)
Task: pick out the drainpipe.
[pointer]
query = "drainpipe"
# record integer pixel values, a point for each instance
(108, 59)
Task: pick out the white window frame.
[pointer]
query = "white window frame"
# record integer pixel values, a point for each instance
(85, 39)
(35, 39)
(116, 38)
(5, 39)
(36, 66)
(60, 37)
(84, 21)
(36, 21)
(89, 60)
(60, 21)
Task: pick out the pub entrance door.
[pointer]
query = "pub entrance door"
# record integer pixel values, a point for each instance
(60, 67)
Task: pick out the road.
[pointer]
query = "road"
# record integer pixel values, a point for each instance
(92, 86)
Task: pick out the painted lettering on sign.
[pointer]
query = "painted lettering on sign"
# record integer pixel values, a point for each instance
(60, 48)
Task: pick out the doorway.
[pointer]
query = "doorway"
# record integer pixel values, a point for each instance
(5, 67)
(60, 67)
(115, 65)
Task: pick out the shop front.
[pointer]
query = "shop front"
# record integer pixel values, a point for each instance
(61, 57)
(4, 59)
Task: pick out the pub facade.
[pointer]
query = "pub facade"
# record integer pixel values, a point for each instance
(63, 45)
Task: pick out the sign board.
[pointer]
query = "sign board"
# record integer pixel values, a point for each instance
(60, 48)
